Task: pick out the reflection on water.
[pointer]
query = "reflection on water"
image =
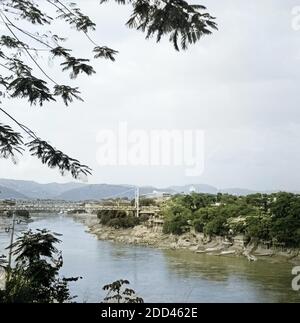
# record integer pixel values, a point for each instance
(163, 275)
(234, 279)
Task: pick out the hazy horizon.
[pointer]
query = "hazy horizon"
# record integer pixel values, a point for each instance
(154, 186)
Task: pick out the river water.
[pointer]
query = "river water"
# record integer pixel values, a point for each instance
(161, 275)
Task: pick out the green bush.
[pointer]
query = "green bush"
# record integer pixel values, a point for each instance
(176, 225)
(176, 219)
(125, 222)
(118, 219)
(285, 222)
(258, 227)
(238, 227)
(198, 225)
(144, 218)
(265, 217)
(23, 213)
(216, 227)
(147, 202)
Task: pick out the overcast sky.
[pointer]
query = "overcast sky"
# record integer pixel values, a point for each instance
(240, 86)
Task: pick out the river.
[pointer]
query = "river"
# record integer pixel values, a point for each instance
(161, 275)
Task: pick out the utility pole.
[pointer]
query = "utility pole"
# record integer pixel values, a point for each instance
(137, 201)
(11, 241)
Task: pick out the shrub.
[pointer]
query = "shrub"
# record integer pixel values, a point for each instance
(125, 222)
(144, 218)
(258, 227)
(198, 225)
(23, 213)
(176, 225)
(176, 219)
(217, 226)
(117, 219)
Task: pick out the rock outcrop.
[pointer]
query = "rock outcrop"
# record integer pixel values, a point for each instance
(192, 241)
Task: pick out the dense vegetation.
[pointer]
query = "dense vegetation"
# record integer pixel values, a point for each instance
(22, 213)
(18, 213)
(118, 219)
(273, 218)
(122, 219)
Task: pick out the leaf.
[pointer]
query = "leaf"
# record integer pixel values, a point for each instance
(105, 52)
(67, 93)
(10, 142)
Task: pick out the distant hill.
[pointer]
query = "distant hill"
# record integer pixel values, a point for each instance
(7, 193)
(104, 191)
(96, 192)
(35, 190)
(15, 189)
(72, 191)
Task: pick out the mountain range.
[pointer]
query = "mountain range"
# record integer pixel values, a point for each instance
(17, 189)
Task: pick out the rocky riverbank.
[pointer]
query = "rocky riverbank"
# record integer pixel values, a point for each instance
(192, 241)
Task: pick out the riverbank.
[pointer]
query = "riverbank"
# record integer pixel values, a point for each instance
(160, 275)
(192, 241)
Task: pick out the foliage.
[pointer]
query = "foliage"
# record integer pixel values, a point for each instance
(184, 23)
(274, 217)
(76, 211)
(216, 227)
(117, 219)
(176, 218)
(146, 201)
(144, 218)
(10, 142)
(124, 222)
(211, 221)
(258, 227)
(259, 200)
(7, 213)
(118, 293)
(35, 277)
(22, 213)
(195, 201)
(285, 225)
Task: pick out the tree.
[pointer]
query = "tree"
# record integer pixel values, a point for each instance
(211, 221)
(117, 219)
(259, 200)
(176, 218)
(118, 293)
(184, 24)
(35, 277)
(258, 227)
(285, 224)
(216, 227)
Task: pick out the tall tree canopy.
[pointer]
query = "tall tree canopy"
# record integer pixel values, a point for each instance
(23, 76)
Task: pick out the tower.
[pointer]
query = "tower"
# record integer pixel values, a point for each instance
(137, 201)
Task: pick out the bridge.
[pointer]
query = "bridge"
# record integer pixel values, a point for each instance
(53, 206)
(90, 208)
